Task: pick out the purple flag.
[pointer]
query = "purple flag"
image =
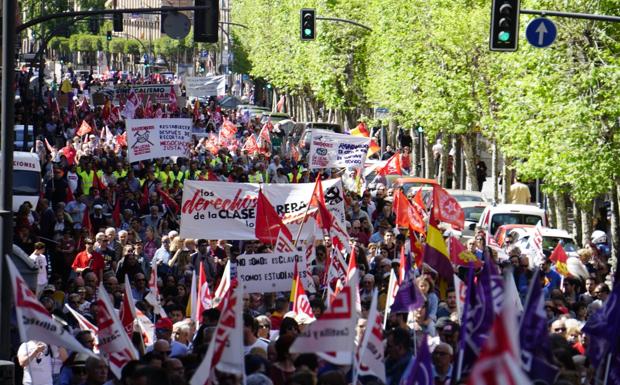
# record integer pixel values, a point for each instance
(408, 297)
(602, 328)
(477, 319)
(420, 369)
(534, 337)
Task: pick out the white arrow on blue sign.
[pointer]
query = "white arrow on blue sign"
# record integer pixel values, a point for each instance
(541, 32)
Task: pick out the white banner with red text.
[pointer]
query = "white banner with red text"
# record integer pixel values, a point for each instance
(158, 138)
(221, 210)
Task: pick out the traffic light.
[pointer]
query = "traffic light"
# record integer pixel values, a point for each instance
(108, 36)
(505, 25)
(308, 19)
(206, 21)
(117, 22)
(93, 25)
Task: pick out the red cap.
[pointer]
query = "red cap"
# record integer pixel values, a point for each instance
(164, 323)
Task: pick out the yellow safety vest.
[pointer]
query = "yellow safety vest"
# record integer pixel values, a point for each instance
(87, 180)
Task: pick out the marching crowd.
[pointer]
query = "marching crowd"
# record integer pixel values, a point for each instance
(101, 219)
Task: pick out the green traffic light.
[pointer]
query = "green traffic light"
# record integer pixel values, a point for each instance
(504, 36)
(307, 32)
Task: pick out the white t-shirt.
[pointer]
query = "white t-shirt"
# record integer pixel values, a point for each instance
(41, 264)
(258, 344)
(39, 370)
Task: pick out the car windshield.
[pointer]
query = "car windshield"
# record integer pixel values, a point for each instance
(26, 182)
(549, 243)
(468, 198)
(513, 219)
(472, 214)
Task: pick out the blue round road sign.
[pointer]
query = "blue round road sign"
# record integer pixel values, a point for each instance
(541, 32)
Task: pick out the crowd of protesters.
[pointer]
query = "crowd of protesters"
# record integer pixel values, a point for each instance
(102, 219)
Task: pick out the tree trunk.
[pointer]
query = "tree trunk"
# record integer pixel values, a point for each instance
(494, 170)
(586, 224)
(304, 109)
(577, 229)
(429, 171)
(443, 171)
(469, 143)
(551, 210)
(506, 180)
(615, 227)
(560, 208)
(459, 167)
(393, 133)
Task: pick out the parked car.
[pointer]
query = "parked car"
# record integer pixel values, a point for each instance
(473, 211)
(550, 239)
(509, 214)
(275, 117)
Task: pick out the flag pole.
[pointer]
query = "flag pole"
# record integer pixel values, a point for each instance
(607, 367)
(470, 282)
(305, 217)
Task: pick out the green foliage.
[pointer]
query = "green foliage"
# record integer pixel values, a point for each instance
(117, 46)
(131, 47)
(166, 46)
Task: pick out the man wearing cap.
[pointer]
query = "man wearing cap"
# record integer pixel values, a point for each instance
(89, 259)
(163, 331)
(39, 260)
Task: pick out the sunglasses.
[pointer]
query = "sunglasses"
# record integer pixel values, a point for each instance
(559, 329)
(441, 353)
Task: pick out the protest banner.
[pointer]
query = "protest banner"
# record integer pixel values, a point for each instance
(157, 93)
(158, 138)
(216, 210)
(270, 273)
(329, 149)
(200, 86)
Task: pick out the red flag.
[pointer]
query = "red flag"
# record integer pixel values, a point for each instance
(174, 206)
(144, 199)
(447, 209)
(173, 101)
(196, 110)
(250, 145)
(84, 129)
(392, 166)
(128, 309)
(116, 213)
(406, 215)
(263, 136)
(323, 217)
(268, 222)
(280, 105)
(86, 221)
(417, 249)
(361, 130)
(205, 299)
(97, 183)
(69, 197)
(419, 199)
(560, 258)
(461, 256)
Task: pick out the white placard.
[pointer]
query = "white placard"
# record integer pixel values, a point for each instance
(197, 86)
(270, 273)
(158, 138)
(329, 149)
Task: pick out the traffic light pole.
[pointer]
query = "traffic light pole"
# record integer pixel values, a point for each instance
(339, 20)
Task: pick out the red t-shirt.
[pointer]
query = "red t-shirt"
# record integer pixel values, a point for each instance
(95, 262)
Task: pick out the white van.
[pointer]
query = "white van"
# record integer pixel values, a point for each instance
(26, 179)
(509, 214)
